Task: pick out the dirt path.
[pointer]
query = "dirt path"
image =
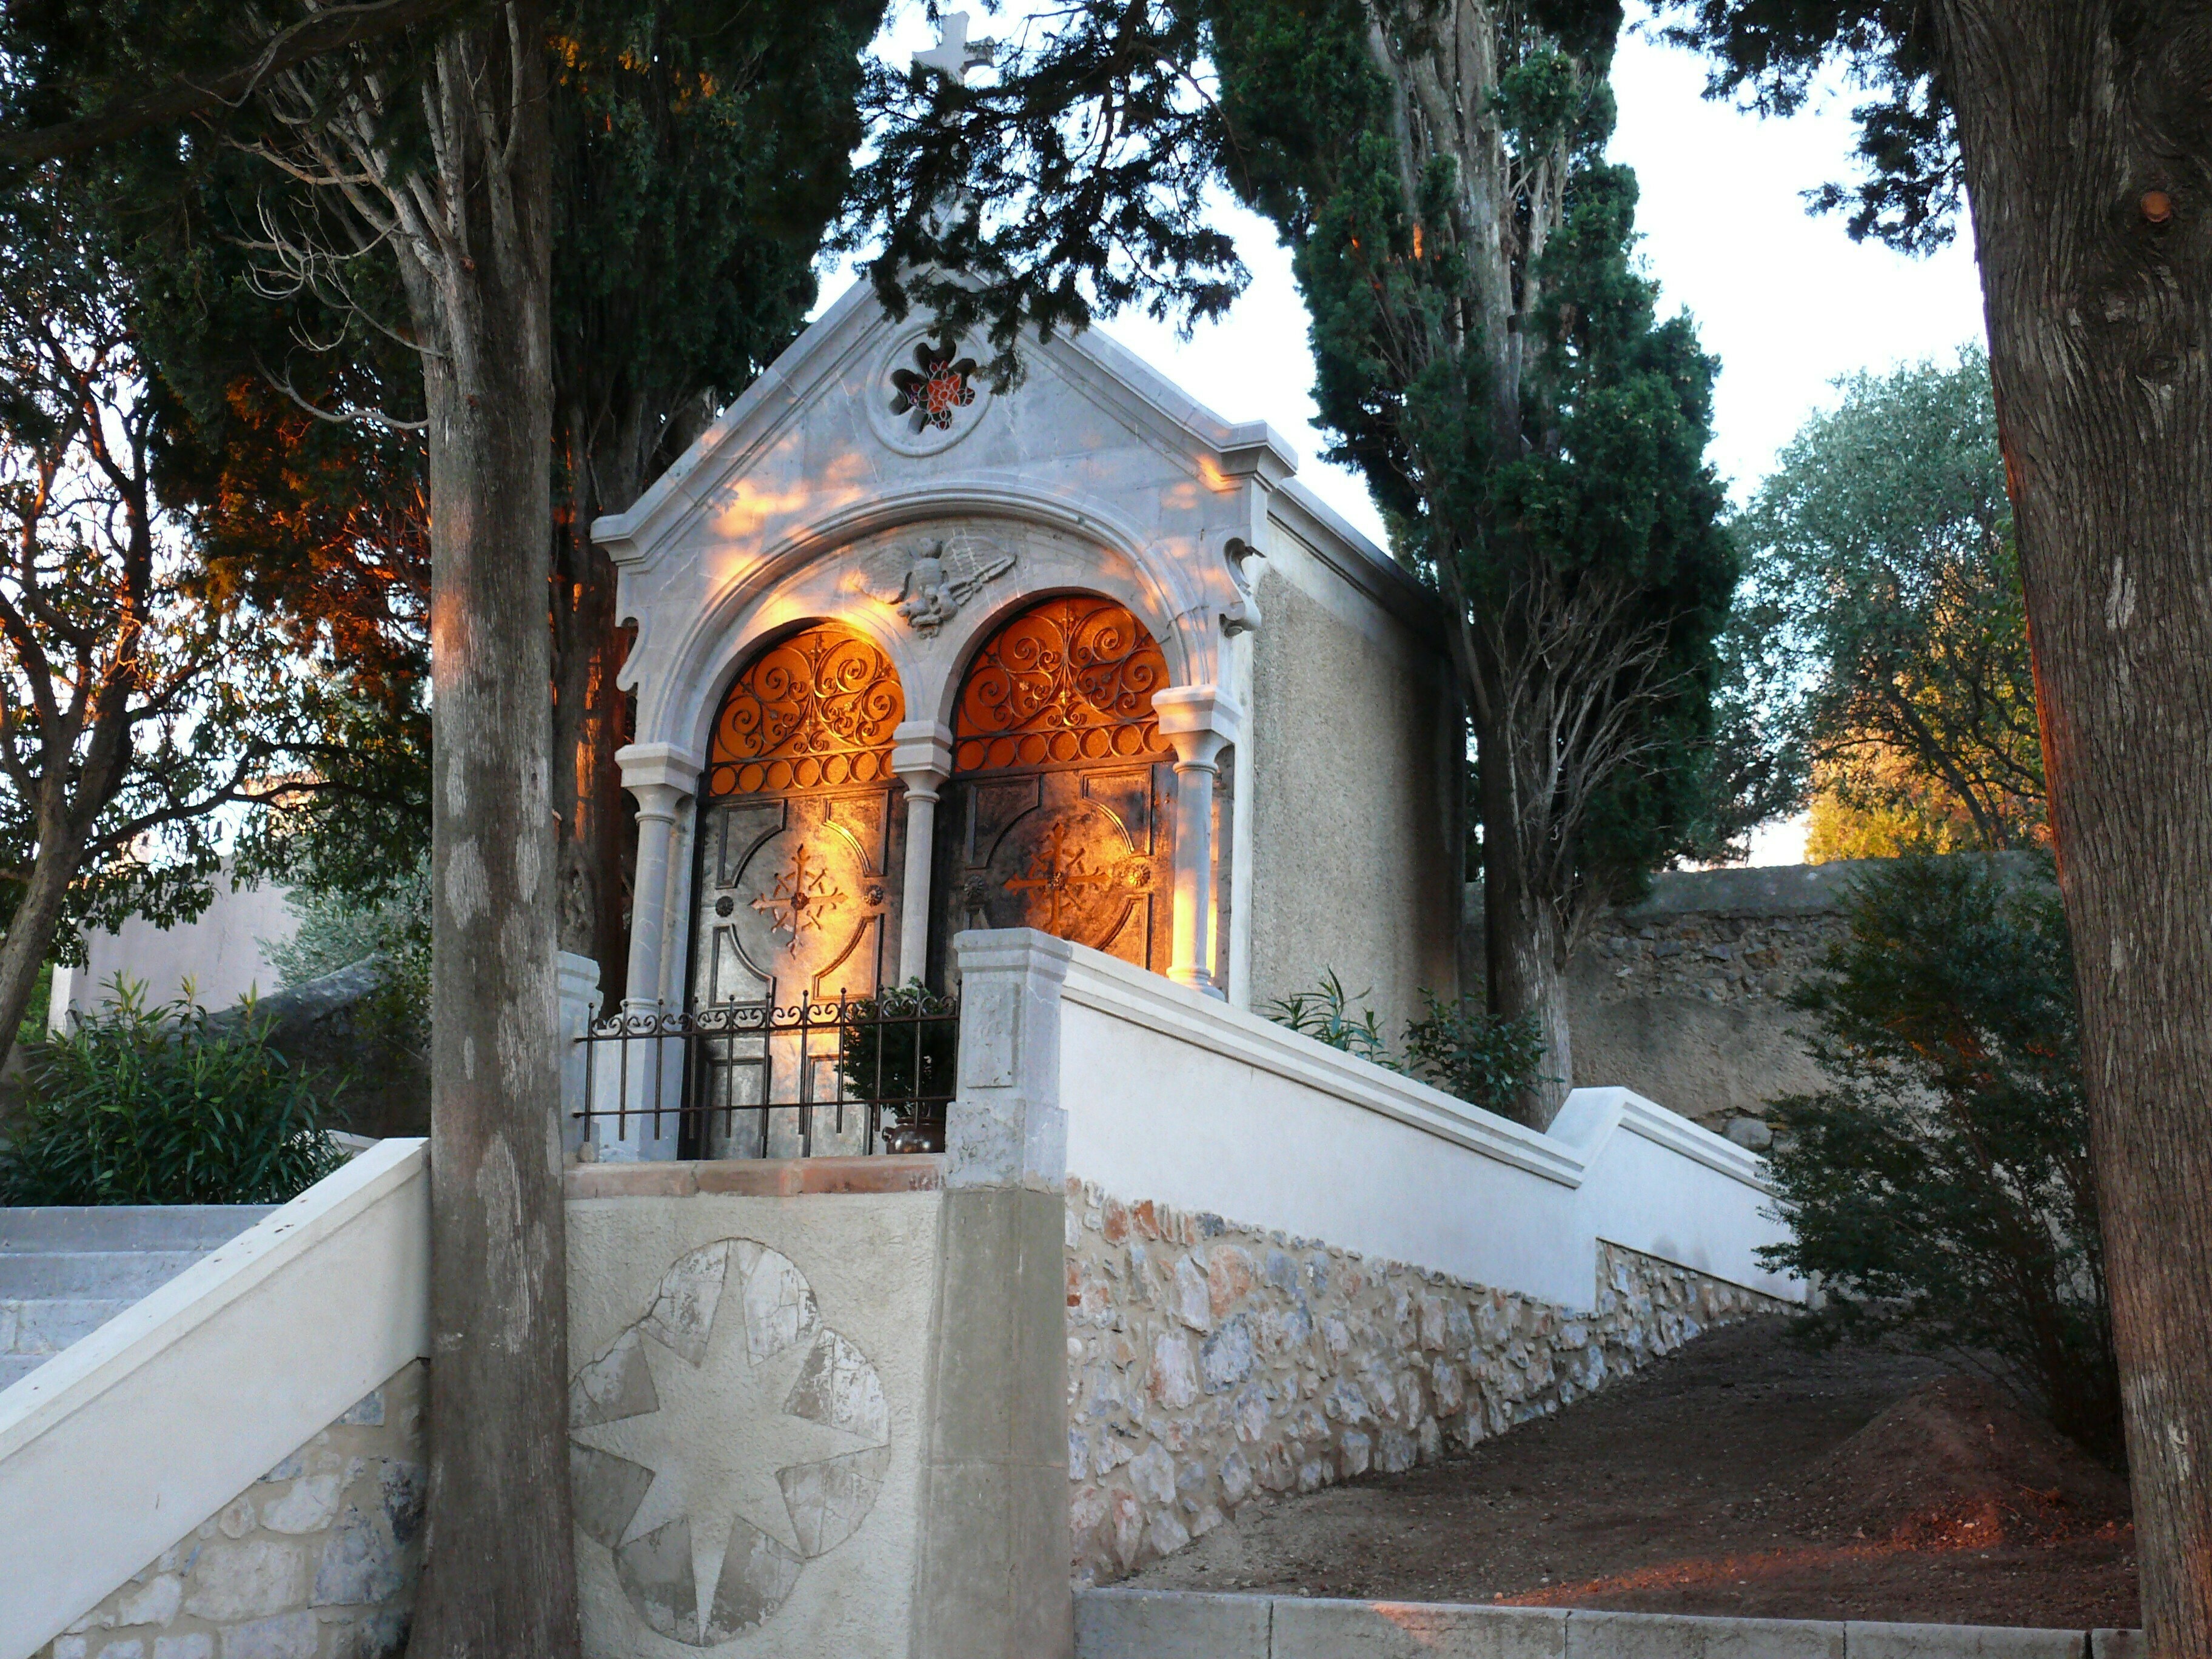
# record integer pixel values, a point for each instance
(1742, 1475)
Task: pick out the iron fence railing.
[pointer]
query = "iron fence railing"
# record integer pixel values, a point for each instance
(750, 1079)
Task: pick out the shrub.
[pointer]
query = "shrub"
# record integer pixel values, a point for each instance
(1326, 1016)
(886, 1057)
(1485, 1059)
(336, 931)
(161, 1106)
(1942, 1186)
(1460, 1047)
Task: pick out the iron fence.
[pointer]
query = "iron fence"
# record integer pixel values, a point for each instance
(750, 1079)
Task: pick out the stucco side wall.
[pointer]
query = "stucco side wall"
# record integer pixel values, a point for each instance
(1349, 785)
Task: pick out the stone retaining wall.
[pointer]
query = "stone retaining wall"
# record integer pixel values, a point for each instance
(318, 1559)
(1211, 1365)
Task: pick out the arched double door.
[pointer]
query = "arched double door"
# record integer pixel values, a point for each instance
(801, 842)
(1060, 812)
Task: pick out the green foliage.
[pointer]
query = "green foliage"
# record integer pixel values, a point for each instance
(1889, 622)
(891, 1055)
(338, 929)
(163, 1106)
(1942, 1185)
(1462, 1048)
(1479, 1057)
(1326, 1015)
(701, 149)
(33, 1026)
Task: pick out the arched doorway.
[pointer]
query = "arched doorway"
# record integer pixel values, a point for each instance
(801, 836)
(1059, 814)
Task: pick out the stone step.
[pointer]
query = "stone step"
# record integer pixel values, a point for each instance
(200, 1227)
(27, 1274)
(47, 1325)
(14, 1367)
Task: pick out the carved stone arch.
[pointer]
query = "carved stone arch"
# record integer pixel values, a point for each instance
(1059, 813)
(686, 640)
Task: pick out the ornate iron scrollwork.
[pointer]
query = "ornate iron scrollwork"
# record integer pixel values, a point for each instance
(1069, 681)
(815, 711)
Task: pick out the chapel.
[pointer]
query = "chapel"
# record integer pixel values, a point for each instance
(913, 656)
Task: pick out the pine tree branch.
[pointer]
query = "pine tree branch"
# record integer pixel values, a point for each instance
(331, 29)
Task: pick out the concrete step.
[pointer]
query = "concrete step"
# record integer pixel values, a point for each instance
(25, 1274)
(14, 1367)
(199, 1227)
(47, 1325)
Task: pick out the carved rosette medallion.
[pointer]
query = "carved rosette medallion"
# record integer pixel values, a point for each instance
(936, 389)
(925, 393)
(724, 1440)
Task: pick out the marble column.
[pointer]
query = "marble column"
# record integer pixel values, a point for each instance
(663, 780)
(1199, 721)
(922, 757)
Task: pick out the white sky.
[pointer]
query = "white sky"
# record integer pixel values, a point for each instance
(1786, 300)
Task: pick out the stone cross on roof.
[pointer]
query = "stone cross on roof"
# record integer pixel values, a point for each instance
(954, 54)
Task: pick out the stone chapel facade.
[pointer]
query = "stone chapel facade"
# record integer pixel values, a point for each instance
(915, 657)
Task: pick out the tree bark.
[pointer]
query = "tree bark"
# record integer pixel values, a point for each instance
(1524, 960)
(499, 1577)
(597, 828)
(2088, 144)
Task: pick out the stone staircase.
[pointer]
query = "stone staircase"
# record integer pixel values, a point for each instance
(66, 1271)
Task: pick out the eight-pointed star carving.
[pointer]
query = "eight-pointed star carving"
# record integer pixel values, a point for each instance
(718, 1440)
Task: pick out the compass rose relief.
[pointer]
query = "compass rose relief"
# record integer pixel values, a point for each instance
(725, 1440)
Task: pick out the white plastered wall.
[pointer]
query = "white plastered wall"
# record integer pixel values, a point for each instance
(1211, 1110)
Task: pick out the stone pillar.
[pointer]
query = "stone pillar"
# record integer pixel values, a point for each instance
(991, 1567)
(1198, 720)
(663, 779)
(579, 979)
(922, 757)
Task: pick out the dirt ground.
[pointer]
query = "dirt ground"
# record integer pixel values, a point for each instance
(1741, 1475)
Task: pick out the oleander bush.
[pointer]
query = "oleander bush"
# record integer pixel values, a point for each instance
(1940, 1187)
(139, 1105)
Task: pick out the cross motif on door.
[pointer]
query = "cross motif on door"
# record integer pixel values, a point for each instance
(798, 898)
(1055, 872)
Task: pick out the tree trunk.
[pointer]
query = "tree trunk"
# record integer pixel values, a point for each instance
(597, 828)
(1522, 963)
(31, 931)
(2088, 144)
(499, 1578)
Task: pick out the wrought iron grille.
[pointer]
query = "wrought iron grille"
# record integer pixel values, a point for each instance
(750, 1079)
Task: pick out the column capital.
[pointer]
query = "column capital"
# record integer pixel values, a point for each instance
(921, 755)
(1199, 721)
(647, 764)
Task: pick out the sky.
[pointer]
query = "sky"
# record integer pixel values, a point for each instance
(1785, 300)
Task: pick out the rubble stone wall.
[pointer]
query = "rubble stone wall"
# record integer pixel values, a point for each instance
(1211, 1365)
(318, 1559)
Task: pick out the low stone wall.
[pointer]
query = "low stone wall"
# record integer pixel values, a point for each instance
(1211, 1365)
(318, 1559)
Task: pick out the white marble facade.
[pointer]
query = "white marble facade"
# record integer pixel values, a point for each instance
(921, 512)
